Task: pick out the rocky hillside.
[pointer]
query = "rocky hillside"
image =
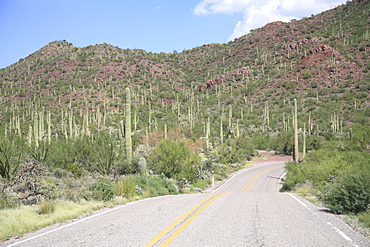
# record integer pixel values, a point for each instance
(322, 60)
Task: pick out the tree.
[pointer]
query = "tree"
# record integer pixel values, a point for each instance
(175, 160)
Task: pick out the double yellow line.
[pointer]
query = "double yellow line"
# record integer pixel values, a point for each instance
(194, 212)
(255, 177)
(182, 222)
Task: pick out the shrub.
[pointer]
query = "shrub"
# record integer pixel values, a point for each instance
(201, 183)
(46, 207)
(174, 159)
(283, 142)
(163, 186)
(235, 150)
(155, 186)
(125, 187)
(349, 192)
(8, 199)
(295, 176)
(76, 170)
(364, 217)
(103, 190)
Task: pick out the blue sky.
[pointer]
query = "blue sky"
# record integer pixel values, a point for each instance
(151, 25)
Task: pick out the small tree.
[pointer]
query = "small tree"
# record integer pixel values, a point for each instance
(175, 160)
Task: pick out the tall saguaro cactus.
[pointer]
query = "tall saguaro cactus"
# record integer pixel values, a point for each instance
(295, 151)
(128, 126)
(208, 132)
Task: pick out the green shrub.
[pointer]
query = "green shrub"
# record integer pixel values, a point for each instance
(76, 170)
(295, 176)
(174, 159)
(125, 187)
(103, 190)
(235, 150)
(260, 141)
(202, 183)
(283, 143)
(364, 217)
(322, 164)
(156, 186)
(349, 192)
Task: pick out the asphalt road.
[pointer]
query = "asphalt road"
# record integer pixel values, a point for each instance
(247, 210)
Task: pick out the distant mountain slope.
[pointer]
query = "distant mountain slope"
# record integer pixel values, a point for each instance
(319, 58)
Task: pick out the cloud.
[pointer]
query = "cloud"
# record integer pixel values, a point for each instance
(207, 7)
(257, 13)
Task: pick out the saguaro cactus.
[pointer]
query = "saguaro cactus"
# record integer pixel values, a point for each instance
(221, 133)
(304, 141)
(208, 132)
(128, 126)
(142, 166)
(295, 151)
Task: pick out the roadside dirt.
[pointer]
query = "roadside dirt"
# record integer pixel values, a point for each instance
(269, 156)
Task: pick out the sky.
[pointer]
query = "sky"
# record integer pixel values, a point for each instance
(151, 25)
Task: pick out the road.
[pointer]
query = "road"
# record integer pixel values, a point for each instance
(248, 210)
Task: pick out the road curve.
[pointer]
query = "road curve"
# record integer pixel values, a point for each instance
(248, 210)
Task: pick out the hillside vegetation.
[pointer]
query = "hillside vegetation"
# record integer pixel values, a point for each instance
(101, 122)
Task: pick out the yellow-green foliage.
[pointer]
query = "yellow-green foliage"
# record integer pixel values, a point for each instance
(308, 191)
(125, 187)
(365, 218)
(47, 207)
(28, 218)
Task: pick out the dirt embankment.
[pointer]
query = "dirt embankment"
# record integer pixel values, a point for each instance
(269, 156)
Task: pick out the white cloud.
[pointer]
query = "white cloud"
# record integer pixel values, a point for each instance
(257, 13)
(207, 7)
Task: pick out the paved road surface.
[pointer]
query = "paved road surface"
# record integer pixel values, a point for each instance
(247, 210)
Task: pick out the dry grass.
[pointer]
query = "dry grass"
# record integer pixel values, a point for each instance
(307, 191)
(28, 218)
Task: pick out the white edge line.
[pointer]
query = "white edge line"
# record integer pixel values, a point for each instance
(231, 179)
(84, 219)
(244, 170)
(300, 202)
(119, 207)
(340, 232)
(281, 177)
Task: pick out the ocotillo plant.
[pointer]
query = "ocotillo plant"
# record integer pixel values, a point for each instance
(128, 126)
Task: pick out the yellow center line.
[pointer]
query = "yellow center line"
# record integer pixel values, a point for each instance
(255, 177)
(197, 209)
(188, 221)
(169, 228)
